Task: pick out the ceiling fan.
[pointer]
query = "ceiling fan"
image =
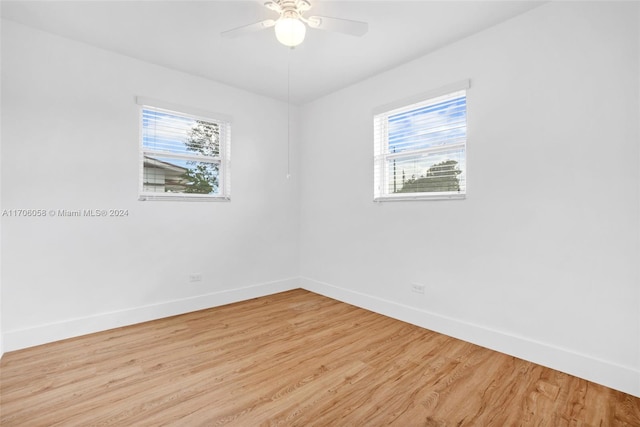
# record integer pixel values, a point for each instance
(290, 27)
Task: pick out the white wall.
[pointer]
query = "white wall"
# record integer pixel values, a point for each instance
(541, 260)
(70, 141)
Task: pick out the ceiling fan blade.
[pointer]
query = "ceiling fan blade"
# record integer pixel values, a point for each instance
(346, 26)
(235, 32)
(303, 5)
(272, 5)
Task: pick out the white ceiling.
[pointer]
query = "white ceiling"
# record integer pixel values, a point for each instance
(185, 35)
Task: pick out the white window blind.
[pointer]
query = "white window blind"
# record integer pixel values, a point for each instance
(420, 149)
(183, 156)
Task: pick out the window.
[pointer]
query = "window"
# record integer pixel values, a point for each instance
(420, 147)
(183, 156)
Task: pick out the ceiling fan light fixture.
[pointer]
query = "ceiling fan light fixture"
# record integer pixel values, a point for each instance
(291, 26)
(290, 31)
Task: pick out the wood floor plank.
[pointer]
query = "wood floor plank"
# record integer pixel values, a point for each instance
(292, 359)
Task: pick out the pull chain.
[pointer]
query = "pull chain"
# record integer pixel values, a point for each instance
(289, 114)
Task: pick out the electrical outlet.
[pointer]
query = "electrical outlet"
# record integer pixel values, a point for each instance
(417, 288)
(195, 277)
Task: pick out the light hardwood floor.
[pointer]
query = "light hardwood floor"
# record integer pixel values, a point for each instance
(292, 359)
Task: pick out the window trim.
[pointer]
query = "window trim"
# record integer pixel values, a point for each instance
(224, 159)
(380, 157)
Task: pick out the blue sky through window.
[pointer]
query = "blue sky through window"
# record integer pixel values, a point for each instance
(167, 132)
(428, 126)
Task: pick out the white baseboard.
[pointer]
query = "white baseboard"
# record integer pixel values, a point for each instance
(623, 378)
(69, 328)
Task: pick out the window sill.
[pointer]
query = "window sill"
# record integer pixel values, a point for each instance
(422, 196)
(184, 198)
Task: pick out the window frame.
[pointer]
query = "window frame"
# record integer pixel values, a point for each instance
(223, 159)
(382, 155)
